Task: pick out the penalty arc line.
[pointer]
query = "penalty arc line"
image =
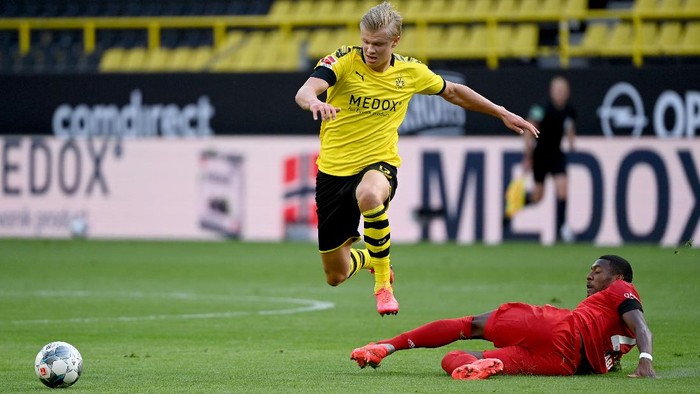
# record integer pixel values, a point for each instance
(306, 305)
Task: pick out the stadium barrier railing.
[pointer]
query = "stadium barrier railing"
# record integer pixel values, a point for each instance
(492, 53)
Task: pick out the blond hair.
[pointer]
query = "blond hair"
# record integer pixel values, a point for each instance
(382, 16)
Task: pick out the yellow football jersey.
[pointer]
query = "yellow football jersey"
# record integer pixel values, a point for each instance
(373, 105)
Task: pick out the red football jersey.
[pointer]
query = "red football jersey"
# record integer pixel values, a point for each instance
(605, 335)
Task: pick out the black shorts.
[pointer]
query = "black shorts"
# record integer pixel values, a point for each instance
(548, 164)
(336, 205)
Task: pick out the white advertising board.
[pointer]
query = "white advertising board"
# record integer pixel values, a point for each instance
(262, 189)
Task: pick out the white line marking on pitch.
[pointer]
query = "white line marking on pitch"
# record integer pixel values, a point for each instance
(305, 305)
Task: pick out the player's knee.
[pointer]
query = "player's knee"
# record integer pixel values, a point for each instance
(368, 198)
(334, 278)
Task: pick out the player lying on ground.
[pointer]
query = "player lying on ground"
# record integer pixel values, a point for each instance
(541, 340)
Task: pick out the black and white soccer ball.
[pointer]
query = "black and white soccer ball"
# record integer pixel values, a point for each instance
(58, 364)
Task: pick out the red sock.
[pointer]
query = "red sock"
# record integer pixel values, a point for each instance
(433, 334)
(456, 358)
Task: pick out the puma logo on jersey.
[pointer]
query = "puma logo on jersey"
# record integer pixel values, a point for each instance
(360, 75)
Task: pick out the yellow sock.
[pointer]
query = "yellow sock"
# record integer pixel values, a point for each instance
(377, 236)
(359, 259)
(382, 274)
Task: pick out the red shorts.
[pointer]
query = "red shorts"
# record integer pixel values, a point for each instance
(538, 340)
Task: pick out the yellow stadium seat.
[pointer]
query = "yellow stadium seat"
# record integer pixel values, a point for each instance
(303, 9)
(446, 42)
(645, 6)
(690, 43)
(455, 37)
(266, 58)
(285, 10)
(482, 9)
(347, 7)
(111, 60)
(219, 57)
(280, 9)
(670, 6)
(576, 8)
(414, 9)
(439, 8)
(199, 60)
(134, 60)
(503, 39)
(435, 36)
(531, 8)
(692, 6)
(593, 39)
(324, 41)
(524, 40)
(233, 38)
(621, 40)
(364, 5)
(429, 42)
(408, 43)
(325, 8)
(240, 61)
(477, 9)
(248, 58)
(157, 60)
(477, 42)
(318, 42)
(505, 9)
(650, 39)
(286, 52)
(551, 8)
(669, 36)
(180, 58)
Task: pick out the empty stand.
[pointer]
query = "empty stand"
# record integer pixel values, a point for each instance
(288, 35)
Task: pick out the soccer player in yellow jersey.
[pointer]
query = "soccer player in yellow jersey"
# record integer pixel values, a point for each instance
(368, 90)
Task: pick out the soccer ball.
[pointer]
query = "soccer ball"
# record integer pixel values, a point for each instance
(58, 364)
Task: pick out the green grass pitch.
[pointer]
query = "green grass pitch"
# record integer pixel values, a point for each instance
(167, 317)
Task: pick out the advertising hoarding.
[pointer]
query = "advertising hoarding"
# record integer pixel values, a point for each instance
(261, 189)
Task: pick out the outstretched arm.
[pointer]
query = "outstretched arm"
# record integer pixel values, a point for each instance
(467, 98)
(307, 99)
(634, 319)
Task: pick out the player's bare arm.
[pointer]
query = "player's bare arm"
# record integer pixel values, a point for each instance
(467, 98)
(635, 321)
(307, 99)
